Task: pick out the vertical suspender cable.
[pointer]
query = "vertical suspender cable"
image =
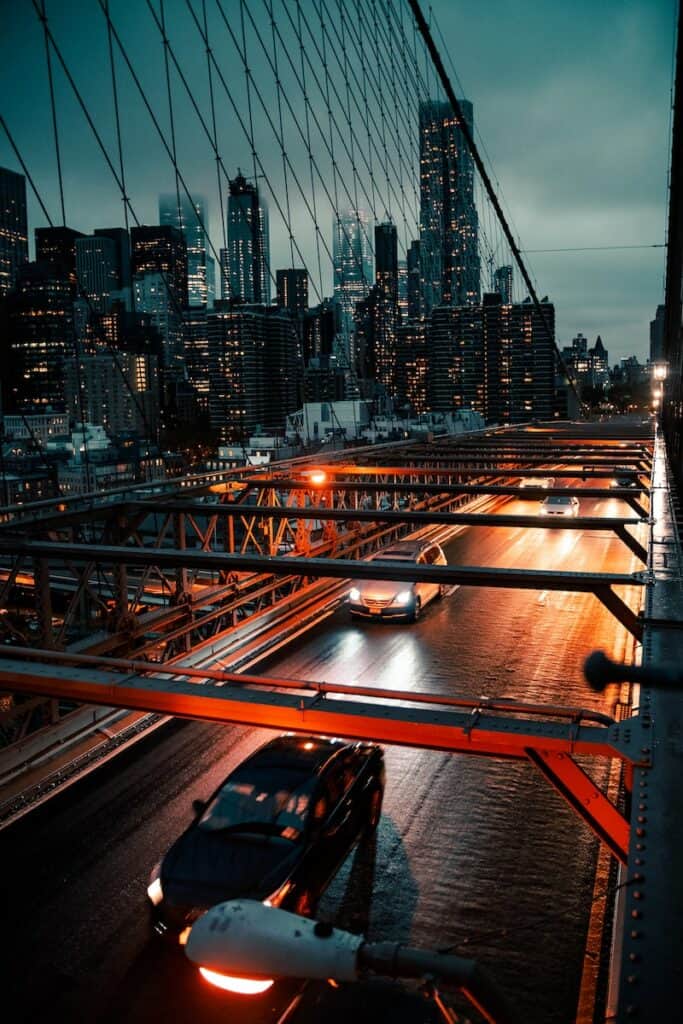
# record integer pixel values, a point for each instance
(43, 17)
(308, 144)
(169, 94)
(214, 139)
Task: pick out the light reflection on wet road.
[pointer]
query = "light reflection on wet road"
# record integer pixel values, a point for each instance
(472, 853)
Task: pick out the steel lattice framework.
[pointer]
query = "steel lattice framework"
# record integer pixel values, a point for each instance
(255, 557)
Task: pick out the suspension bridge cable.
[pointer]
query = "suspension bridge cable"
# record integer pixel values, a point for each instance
(261, 168)
(308, 147)
(278, 83)
(53, 106)
(293, 113)
(247, 78)
(377, 128)
(26, 171)
(169, 95)
(214, 137)
(119, 141)
(269, 118)
(99, 141)
(435, 21)
(355, 28)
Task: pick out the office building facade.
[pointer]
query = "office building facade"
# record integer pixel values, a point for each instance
(253, 370)
(353, 277)
(191, 219)
(449, 244)
(498, 360)
(13, 228)
(248, 243)
(97, 270)
(39, 337)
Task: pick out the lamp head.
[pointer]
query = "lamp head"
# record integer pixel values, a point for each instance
(246, 939)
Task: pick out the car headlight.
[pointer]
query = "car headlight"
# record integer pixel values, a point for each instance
(354, 594)
(543, 511)
(154, 890)
(614, 483)
(405, 597)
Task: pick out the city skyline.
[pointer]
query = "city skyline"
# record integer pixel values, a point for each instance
(563, 188)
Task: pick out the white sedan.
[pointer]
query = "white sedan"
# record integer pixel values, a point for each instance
(559, 505)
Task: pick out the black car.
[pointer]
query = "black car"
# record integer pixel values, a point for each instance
(277, 829)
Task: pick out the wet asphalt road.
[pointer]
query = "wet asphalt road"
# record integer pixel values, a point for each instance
(474, 854)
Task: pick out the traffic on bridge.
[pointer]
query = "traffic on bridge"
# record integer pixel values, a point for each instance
(340, 571)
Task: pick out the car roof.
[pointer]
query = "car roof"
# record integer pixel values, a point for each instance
(294, 752)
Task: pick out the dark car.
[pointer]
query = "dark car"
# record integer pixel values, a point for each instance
(625, 476)
(277, 830)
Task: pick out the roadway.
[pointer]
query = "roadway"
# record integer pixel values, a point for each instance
(478, 855)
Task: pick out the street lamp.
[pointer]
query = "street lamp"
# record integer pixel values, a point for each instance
(660, 371)
(247, 940)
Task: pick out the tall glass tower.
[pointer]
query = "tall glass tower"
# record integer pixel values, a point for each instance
(13, 227)
(191, 219)
(353, 275)
(449, 250)
(248, 243)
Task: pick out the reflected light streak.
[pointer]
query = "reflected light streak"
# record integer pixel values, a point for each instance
(229, 983)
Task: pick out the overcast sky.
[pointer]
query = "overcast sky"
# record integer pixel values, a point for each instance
(571, 99)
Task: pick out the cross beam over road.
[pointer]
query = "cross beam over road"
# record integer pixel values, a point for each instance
(397, 717)
(600, 584)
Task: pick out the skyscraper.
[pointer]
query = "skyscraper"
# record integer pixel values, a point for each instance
(449, 254)
(57, 246)
(40, 336)
(13, 227)
(162, 250)
(252, 370)
(386, 314)
(248, 243)
(414, 281)
(292, 290)
(159, 264)
(97, 270)
(502, 283)
(496, 359)
(352, 273)
(191, 218)
(121, 238)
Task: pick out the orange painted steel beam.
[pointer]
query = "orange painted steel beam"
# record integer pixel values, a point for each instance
(224, 677)
(584, 797)
(433, 727)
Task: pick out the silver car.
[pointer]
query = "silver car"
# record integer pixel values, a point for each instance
(559, 505)
(390, 599)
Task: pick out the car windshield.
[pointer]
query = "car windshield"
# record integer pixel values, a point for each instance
(558, 501)
(265, 802)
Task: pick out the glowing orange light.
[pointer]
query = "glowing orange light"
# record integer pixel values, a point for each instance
(308, 746)
(318, 477)
(244, 986)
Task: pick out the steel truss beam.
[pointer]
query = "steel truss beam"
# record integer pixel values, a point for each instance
(600, 584)
(431, 723)
(289, 484)
(585, 799)
(437, 468)
(421, 517)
